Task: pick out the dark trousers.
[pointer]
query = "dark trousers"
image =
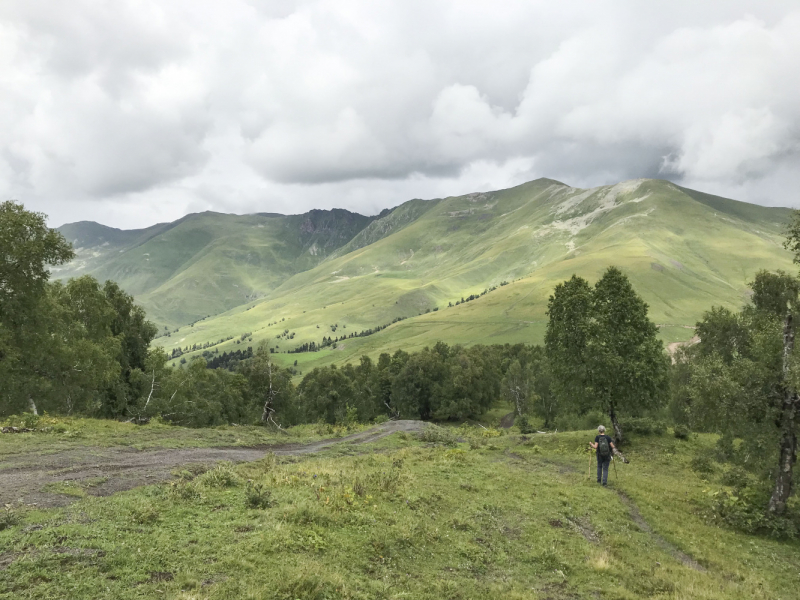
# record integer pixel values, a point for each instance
(602, 469)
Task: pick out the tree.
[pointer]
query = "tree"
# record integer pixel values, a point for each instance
(129, 324)
(269, 386)
(517, 387)
(627, 364)
(27, 248)
(741, 381)
(567, 339)
(603, 350)
(324, 394)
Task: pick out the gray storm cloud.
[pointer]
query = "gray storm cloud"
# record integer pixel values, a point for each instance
(134, 112)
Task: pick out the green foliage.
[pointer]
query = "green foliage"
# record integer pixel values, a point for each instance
(743, 510)
(434, 434)
(221, 476)
(144, 513)
(643, 425)
(256, 495)
(703, 464)
(447, 383)
(270, 387)
(681, 432)
(8, 517)
(524, 425)
(603, 348)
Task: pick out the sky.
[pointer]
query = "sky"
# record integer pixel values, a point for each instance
(135, 112)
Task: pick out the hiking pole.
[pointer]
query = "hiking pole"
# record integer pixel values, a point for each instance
(590, 464)
(614, 462)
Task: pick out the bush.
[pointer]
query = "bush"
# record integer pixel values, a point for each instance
(573, 422)
(682, 432)
(8, 518)
(744, 510)
(25, 420)
(642, 426)
(221, 476)
(735, 477)
(524, 425)
(256, 495)
(702, 464)
(433, 434)
(181, 490)
(144, 514)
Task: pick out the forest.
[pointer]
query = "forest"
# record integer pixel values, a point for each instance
(84, 348)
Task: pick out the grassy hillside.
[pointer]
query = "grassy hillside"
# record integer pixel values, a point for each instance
(207, 263)
(491, 516)
(684, 251)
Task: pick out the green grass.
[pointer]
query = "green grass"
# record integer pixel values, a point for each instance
(207, 263)
(683, 252)
(493, 517)
(56, 434)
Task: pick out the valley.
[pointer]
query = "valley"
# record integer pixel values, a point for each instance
(289, 281)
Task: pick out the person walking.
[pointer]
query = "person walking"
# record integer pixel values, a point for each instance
(604, 446)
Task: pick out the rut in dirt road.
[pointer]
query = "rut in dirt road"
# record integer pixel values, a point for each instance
(119, 469)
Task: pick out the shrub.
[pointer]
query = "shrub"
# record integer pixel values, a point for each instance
(735, 477)
(642, 425)
(181, 490)
(744, 510)
(682, 432)
(477, 443)
(433, 434)
(524, 425)
(144, 514)
(8, 518)
(26, 420)
(702, 464)
(456, 455)
(256, 495)
(221, 476)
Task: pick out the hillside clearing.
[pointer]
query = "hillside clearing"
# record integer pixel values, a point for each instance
(493, 516)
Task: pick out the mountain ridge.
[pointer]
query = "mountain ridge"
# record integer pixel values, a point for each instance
(683, 250)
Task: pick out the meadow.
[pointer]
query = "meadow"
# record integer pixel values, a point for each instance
(451, 512)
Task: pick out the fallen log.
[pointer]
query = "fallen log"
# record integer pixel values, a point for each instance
(616, 452)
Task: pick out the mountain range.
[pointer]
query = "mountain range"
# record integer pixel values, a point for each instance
(477, 268)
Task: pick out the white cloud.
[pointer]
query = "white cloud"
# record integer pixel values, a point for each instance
(131, 112)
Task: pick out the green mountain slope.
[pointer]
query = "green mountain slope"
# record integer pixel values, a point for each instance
(683, 250)
(207, 263)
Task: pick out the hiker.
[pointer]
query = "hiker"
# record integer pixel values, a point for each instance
(605, 447)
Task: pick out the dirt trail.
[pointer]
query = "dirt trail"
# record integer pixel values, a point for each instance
(110, 470)
(637, 517)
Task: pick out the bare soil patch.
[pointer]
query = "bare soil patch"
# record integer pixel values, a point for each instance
(24, 477)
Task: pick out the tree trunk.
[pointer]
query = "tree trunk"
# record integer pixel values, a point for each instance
(32, 406)
(615, 424)
(788, 451)
(266, 414)
(788, 456)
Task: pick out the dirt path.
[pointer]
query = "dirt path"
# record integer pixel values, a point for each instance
(104, 471)
(636, 517)
(676, 553)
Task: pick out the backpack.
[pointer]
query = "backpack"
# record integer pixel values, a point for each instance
(603, 447)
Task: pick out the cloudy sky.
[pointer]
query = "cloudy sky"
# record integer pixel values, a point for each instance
(139, 111)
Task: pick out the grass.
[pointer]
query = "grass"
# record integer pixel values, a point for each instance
(515, 517)
(207, 263)
(57, 434)
(683, 252)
